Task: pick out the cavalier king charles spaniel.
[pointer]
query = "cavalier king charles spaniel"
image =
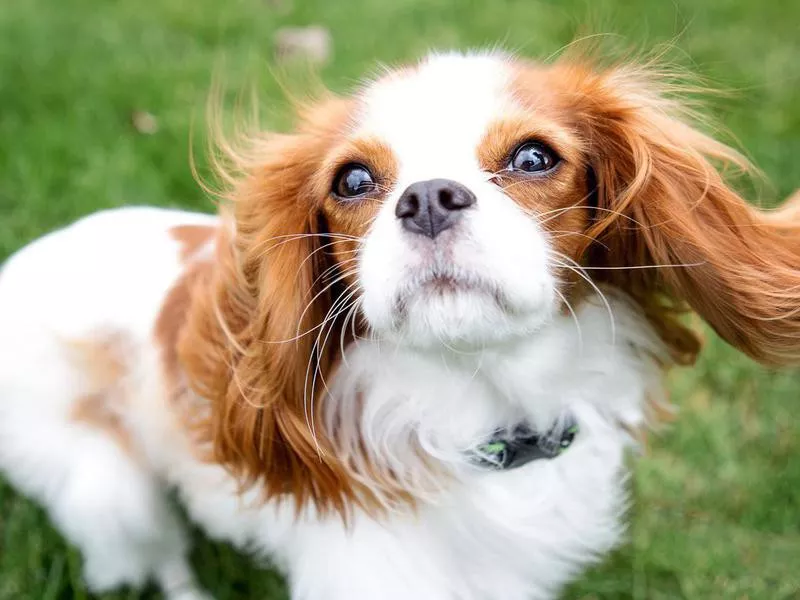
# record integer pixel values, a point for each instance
(407, 358)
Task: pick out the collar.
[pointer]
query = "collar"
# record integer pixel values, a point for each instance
(509, 449)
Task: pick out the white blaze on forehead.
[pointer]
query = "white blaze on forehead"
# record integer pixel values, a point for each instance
(434, 116)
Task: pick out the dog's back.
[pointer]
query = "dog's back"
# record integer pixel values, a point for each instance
(76, 323)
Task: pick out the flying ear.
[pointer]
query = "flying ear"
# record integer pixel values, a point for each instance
(249, 344)
(663, 204)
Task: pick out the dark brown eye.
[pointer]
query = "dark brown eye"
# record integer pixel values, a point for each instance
(533, 157)
(353, 181)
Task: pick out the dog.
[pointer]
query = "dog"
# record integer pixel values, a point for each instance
(408, 357)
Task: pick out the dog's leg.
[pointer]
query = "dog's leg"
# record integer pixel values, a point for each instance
(103, 500)
(115, 512)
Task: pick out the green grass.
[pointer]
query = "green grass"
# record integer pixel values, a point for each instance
(717, 498)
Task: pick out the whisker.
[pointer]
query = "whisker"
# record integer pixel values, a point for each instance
(289, 237)
(336, 280)
(635, 267)
(332, 269)
(308, 404)
(317, 353)
(578, 233)
(349, 316)
(369, 332)
(382, 188)
(574, 318)
(305, 310)
(310, 254)
(285, 239)
(578, 270)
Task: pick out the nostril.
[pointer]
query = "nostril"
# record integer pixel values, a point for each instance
(446, 199)
(407, 207)
(455, 198)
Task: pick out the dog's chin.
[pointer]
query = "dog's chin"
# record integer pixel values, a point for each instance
(446, 313)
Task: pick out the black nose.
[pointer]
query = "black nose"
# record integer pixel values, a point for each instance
(430, 207)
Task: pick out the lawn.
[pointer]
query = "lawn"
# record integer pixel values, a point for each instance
(717, 495)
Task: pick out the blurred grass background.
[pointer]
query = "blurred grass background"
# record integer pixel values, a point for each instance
(716, 510)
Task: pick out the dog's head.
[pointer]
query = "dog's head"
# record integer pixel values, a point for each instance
(464, 201)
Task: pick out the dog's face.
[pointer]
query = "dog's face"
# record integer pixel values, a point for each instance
(467, 195)
(466, 201)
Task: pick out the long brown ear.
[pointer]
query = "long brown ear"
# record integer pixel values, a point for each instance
(662, 202)
(249, 344)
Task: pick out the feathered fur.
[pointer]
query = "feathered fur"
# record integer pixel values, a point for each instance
(314, 378)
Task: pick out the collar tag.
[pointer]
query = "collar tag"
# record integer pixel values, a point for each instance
(515, 448)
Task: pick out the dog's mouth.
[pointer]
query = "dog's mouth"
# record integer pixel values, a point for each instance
(441, 284)
(438, 283)
(450, 281)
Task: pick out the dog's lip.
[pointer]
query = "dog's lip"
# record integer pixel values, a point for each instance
(446, 281)
(455, 281)
(450, 281)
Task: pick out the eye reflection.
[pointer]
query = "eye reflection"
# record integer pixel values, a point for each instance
(353, 181)
(533, 157)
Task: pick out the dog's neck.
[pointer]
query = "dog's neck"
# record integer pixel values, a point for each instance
(409, 407)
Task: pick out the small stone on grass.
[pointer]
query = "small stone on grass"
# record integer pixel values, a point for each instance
(312, 44)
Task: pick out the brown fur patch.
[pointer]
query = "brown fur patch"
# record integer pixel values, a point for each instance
(174, 310)
(172, 319)
(668, 230)
(354, 218)
(192, 238)
(102, 361)
(98, 411)
(503, 136)
(252, 331)
(370, 152)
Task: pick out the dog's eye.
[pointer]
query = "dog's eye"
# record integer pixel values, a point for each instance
(353, 181)
(533, 157)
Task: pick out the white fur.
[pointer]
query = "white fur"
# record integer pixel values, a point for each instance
(478, 535)
(434, 120)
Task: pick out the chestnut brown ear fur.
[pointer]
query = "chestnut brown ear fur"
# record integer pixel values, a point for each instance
(249, 343)
(662, 201)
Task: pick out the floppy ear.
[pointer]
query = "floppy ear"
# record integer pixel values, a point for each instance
(249, 344)
(662, 202)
